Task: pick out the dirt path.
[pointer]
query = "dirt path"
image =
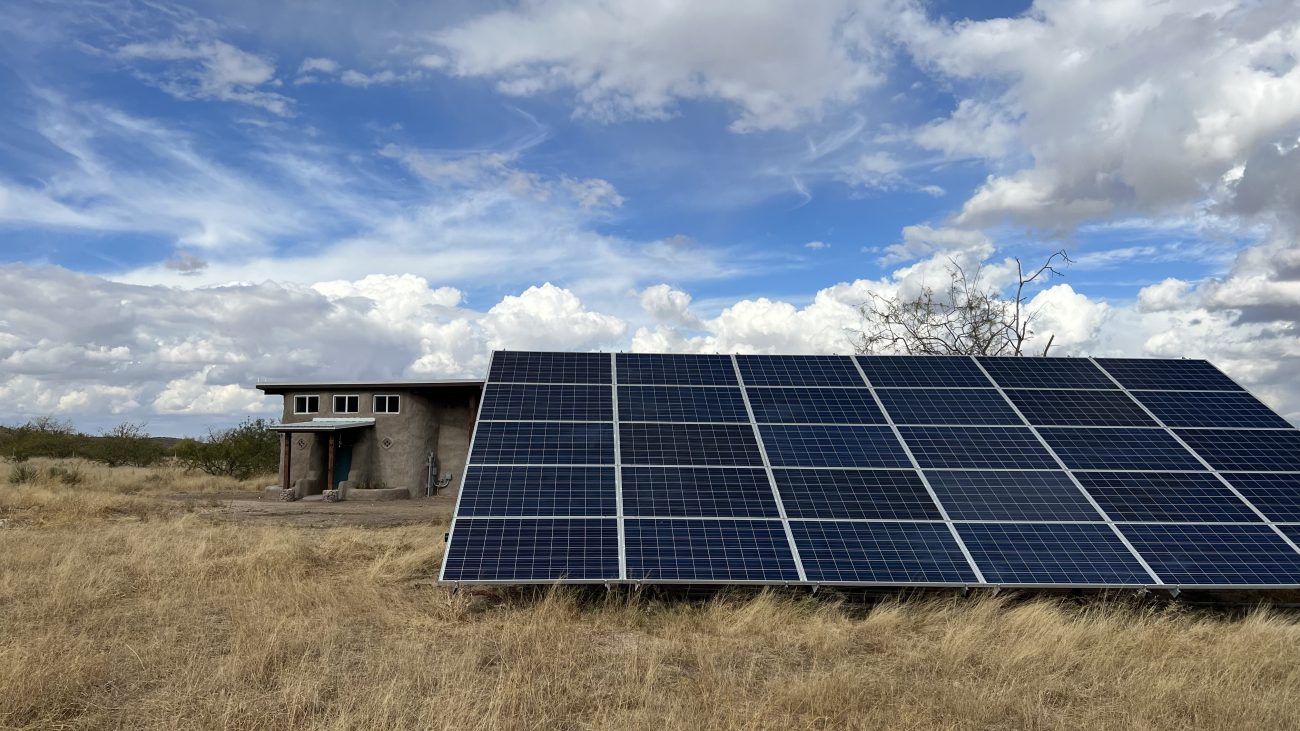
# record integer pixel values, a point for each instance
(243, 507)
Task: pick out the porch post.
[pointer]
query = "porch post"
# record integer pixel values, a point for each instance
(285, 439)
(329, 472)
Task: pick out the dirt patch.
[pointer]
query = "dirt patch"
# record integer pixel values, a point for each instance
(241, 507)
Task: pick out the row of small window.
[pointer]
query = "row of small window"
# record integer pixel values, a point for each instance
(383, 404)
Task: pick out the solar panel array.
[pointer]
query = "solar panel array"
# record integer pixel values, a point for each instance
(875, 471)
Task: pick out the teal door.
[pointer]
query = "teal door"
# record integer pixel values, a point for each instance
(342, 463)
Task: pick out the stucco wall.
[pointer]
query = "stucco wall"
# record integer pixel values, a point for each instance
(394, 452)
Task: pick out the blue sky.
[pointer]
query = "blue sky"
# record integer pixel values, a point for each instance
(194, 197)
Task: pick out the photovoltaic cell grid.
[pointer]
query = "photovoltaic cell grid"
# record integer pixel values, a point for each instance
(680, 403)
(528, 402)
(939, 407)
(541, 497)
(1079, 408)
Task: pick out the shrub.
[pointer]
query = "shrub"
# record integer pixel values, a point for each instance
(22, 474)
(42, 436)
(125, 444)
(240, 452)
(67, 475)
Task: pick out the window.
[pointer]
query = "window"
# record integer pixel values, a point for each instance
(306, 404)
(386, 405)
(347, 404)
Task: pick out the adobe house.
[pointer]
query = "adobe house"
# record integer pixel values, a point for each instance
(373, 440)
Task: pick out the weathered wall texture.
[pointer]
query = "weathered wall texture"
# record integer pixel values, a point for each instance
(395, 451)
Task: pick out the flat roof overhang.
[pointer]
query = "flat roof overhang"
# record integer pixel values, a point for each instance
(326, 425)
(279, 387)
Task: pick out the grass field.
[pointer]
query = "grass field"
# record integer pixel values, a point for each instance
(123, 608)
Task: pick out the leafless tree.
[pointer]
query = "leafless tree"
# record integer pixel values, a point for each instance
(970, 318)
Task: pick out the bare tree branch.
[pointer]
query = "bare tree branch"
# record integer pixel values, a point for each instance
(969, 318)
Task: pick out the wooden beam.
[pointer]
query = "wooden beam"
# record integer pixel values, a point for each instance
(329, 472)
(286, 439)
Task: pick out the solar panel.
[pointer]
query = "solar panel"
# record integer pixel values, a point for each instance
(503, 442)
(689, 444)
(1246, 449)
(537, 491)
(698, 492)
(571, 549)
(1277, 496)
(889, 553)
(1077, 554)
(708, 551)
(855, 494)
(976, 446)
(680, 370)
(922, 371)
(1209, 408)
(1167, 375)
(802, 471)
(1079, 408)
(814, 406)
(1020, 372)
(938, 406)
(798, 370)
(680, 403)
(1120, 448)
(1003, 495)
(1215, 555)
(516, 367)
(833, 446)
(507, 401)
(1165, 497)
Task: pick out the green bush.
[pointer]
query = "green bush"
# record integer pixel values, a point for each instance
(67, 475)
(125, 444)
(240, 452)
(22, 474)
(42, 436)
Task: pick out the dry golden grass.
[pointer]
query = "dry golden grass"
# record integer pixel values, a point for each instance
(104, 492)
(180, 622)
